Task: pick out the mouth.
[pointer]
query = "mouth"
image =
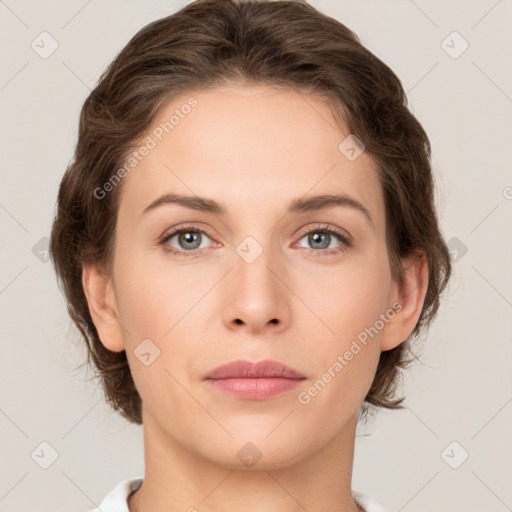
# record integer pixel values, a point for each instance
(256, 381)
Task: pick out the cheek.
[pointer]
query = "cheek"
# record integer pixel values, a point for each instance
(151, 299)
(346, 299)
(345, 359)
(160, 309)
(144, 308)
(349, 303)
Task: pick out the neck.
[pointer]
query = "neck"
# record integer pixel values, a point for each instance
(178, 479)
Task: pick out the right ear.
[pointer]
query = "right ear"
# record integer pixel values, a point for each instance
(99, 292)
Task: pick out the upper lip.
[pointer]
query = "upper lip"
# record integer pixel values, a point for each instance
(261, 369)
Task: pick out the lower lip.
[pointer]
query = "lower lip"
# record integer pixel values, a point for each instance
(255, 389)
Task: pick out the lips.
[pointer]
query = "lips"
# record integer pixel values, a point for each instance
(262, 369)
(254, 381)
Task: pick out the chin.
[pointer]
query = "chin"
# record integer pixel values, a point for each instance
(254, 451)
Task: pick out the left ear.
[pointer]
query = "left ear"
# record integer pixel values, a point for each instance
(409, 298)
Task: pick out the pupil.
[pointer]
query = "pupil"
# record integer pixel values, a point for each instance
(190, 237)
(319, 238)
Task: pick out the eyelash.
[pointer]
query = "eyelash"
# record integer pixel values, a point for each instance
(321, 228)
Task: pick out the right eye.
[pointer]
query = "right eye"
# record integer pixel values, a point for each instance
(189, 240)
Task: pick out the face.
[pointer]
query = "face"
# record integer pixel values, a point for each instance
(256, 278)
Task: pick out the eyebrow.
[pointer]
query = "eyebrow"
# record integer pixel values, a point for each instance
(300, 205)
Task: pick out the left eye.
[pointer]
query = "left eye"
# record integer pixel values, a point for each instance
(321, 239)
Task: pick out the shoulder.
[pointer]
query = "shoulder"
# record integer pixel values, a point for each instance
(368, 503)
(116, 500)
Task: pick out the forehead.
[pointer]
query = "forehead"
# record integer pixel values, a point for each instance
(252, 148)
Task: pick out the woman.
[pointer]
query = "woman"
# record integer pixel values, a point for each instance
(247, 240)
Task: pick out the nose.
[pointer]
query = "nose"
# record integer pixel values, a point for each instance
(256, 296)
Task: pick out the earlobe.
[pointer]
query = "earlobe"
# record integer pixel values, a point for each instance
(410, 297)
(99, 292)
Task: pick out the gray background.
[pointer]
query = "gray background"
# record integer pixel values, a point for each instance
(462, 390)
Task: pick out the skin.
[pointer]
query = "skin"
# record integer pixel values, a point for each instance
(253, 149)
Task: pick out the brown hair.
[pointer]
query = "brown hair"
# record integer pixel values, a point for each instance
(280, 43)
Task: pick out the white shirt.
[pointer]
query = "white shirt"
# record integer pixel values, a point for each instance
(117, 499)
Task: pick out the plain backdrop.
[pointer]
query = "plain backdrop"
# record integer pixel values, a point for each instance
(450, 449)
